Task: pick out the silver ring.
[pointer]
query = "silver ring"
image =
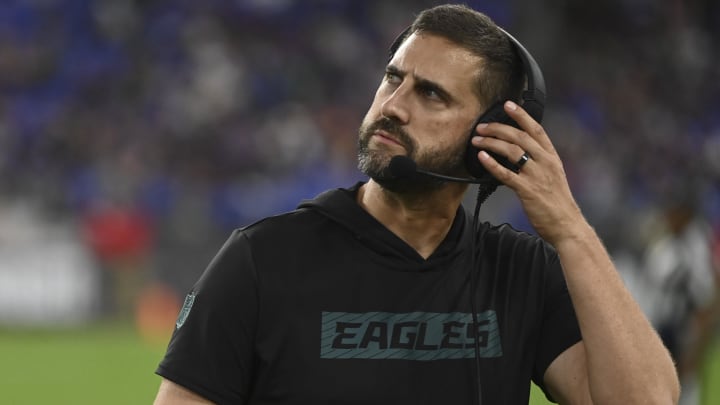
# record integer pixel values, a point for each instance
(523, 159)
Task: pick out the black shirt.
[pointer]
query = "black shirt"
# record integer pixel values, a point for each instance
(325, 305)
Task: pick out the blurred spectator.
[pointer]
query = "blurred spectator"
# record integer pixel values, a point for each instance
(679, 287)
(121, 240)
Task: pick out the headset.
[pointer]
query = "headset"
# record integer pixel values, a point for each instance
(532, 100)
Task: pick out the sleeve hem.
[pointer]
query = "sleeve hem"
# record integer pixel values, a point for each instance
(198, 389)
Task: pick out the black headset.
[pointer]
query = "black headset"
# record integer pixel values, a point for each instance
(532, 100)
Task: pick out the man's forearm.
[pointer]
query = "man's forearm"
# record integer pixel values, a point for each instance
(627, 362)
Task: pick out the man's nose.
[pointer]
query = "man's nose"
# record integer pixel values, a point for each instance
(396, 106)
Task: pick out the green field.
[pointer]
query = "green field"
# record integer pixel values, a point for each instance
(112, 365)
(100, 365)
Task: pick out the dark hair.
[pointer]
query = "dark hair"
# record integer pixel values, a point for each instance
(500, 76)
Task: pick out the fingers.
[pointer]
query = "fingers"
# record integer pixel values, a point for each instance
(500, 172)
(501, 145)
(512, 142)
(528, 124)
(525, 147)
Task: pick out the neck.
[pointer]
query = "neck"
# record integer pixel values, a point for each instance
(421, 221)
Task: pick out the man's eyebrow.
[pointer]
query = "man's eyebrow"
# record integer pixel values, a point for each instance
(426, 84)
(422, 83)
(394, 70)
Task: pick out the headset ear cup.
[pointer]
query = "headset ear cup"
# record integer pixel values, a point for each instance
(495, 113)
(534, 108)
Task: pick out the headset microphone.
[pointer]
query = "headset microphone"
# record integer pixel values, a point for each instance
(532, 100)
(404, 167)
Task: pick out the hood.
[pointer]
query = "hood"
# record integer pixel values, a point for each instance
(340, 205)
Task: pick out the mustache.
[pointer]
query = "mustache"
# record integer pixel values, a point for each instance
(391, 127)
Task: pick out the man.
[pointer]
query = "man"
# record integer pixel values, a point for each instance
(375, 294)
(679, 284)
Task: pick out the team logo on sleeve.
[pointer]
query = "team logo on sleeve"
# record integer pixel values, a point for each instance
(410, 336)
(185, 311)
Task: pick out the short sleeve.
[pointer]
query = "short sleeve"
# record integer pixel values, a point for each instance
(211, 349)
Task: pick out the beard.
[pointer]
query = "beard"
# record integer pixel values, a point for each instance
(375, 163)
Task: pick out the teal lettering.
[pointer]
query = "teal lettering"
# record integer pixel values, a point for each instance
(421, 344)
(481, 333)
(398, 335)
(376, 332)
(340, 329)
(451, 337)
(415, 336)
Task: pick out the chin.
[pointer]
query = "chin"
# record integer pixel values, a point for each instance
(416, 185)
(375, 165)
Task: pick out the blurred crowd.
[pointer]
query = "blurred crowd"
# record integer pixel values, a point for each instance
(134, 135)
(147, 130)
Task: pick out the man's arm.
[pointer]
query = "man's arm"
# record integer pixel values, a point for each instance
(626, 362)
(566, 378)
(173, 394)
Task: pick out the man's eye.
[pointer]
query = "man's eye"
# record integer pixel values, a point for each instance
(430, 93)
(391, 77)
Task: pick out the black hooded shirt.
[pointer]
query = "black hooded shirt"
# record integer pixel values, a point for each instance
(324, 305)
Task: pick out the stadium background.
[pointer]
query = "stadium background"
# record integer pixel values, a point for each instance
(135, 135)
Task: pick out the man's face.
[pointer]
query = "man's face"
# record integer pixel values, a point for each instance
(423, 109)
